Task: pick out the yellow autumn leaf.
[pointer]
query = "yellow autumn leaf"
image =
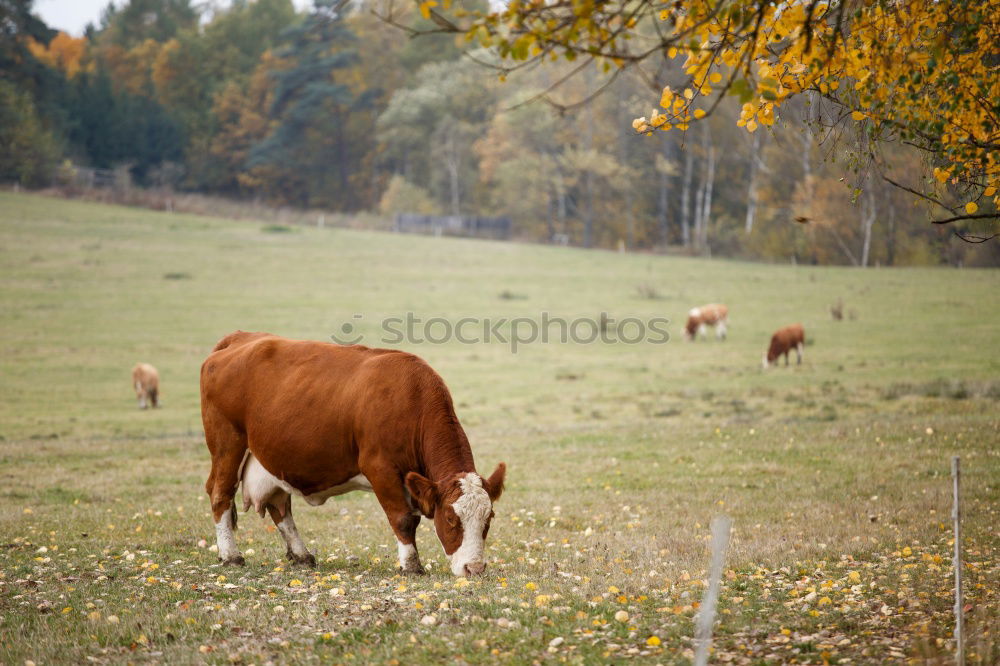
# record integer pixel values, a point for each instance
(857, 115)
(971, 207)
(667, 97)
(989, 191)
(699, 113)
(425, 8)
(688, 94)
(715, 77)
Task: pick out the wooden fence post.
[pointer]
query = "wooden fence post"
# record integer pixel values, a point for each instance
(706, 614)
(956, 516)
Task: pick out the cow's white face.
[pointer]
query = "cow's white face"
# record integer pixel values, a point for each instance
(462, 508)
(474, 511)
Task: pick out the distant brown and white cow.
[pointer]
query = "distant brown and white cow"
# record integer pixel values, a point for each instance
(783, 341)
(314, 419)
(700, 318)
(146, 382)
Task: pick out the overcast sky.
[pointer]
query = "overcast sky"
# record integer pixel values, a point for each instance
(72, 16)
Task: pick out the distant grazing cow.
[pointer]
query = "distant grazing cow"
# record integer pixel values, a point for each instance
(146, 381)
(699, 319)
(314, 419)
(783, 341)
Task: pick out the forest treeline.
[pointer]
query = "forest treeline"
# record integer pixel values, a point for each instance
(336, 108)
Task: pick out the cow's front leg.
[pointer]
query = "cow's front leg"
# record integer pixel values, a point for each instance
(392, 496)
(798, 350)
(282, 517)
(405, 528)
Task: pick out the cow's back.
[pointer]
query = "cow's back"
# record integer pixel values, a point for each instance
(249, 372)
(788, 337)
(145, 375)
(314, 406)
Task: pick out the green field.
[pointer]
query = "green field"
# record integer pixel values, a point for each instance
(835, 473)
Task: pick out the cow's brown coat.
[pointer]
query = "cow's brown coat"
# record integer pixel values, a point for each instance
(316, 414)
(713, 314)
(783, 341)
(146, 382)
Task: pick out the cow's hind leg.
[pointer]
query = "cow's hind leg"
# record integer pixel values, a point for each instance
(228, 447)
(281, 514)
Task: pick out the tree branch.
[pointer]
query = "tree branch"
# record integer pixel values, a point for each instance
(980, 216)
(913, 191)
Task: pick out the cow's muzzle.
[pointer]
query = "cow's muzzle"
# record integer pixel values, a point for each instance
(474, 568)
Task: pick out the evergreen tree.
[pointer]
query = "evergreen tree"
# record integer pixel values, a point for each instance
(310, 106)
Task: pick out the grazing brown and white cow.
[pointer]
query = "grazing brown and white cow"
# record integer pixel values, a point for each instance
(700, 318)
(314, 419)
(783, 341)
(146, 382)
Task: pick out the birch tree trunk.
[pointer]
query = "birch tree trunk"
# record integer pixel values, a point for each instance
(663, 201)
(807, 134)
(699, 202)
(707, 204)
(453, 165)
(629, 220)
(588, 176)
(868, 210)
(755, 146)
(890, 241)
(685, 199)
(550, 218)
(560, 201)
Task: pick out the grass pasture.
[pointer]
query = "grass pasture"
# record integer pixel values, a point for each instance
(835, 473)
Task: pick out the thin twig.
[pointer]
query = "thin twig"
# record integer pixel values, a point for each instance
(975, 240)
(913, 191)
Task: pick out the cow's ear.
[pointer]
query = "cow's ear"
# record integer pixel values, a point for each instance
(494, 484)
(423, 491)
